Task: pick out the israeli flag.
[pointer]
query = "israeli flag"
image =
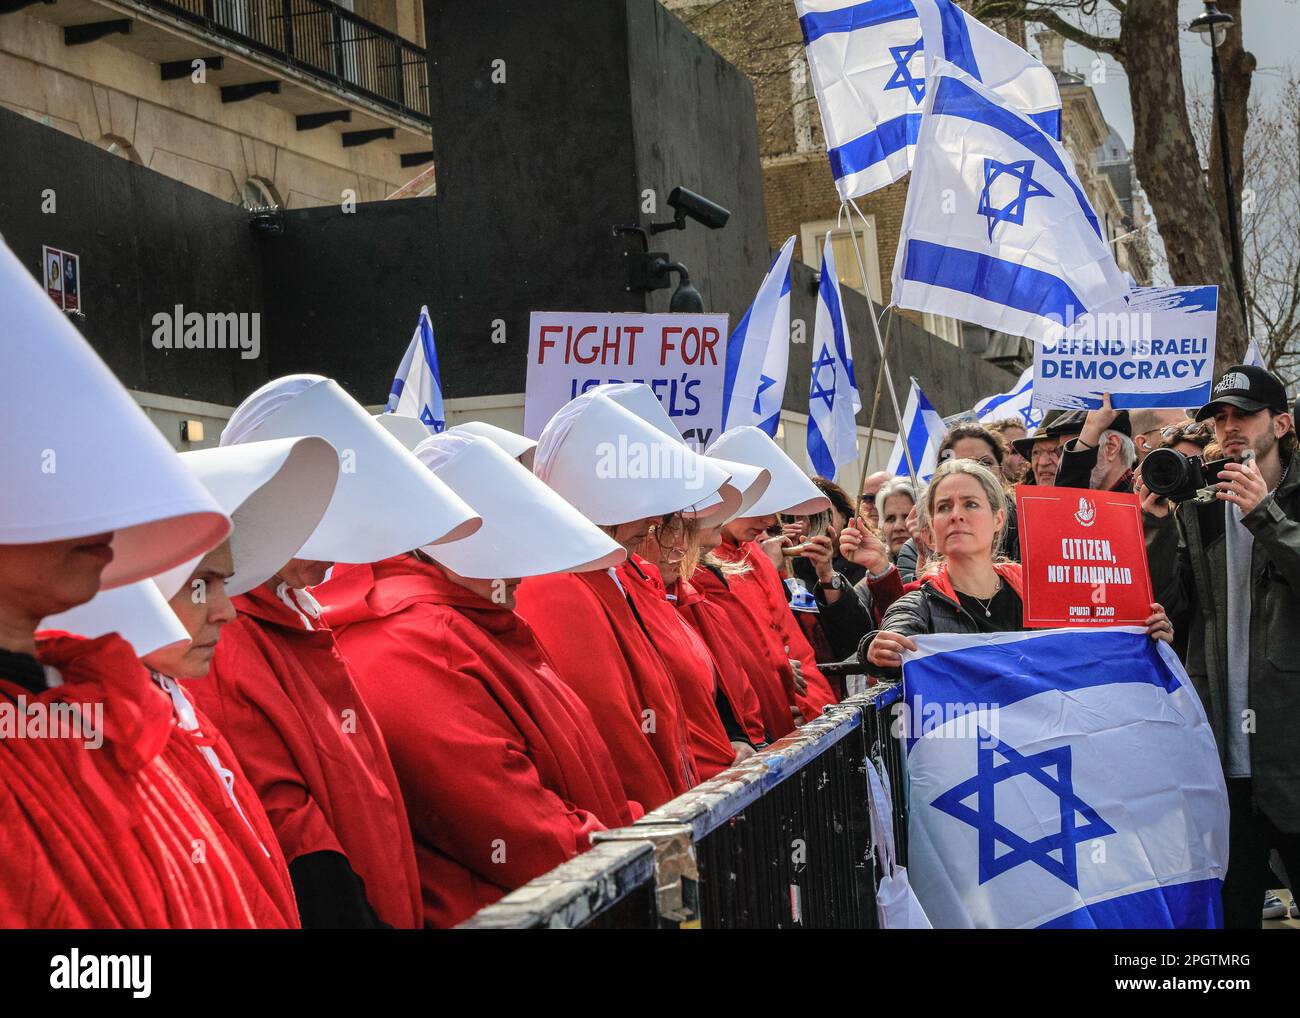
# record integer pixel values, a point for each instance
(833, 401)
(1019, 402)
(868, 73)
(1061, 779)
(997, 229)
(1253, 357)
(953, 35)
(417, 386)
(758, 353)
(923, 430)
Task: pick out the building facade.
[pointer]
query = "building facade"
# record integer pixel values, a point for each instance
(289, 103)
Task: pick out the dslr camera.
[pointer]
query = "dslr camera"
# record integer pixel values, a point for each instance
(1178, 478)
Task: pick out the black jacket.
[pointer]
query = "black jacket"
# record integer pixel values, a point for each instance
(1077, 463)
(1187, 554)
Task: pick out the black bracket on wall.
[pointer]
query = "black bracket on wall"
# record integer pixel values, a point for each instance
(174, 70)
(351, 139)
(79, 35)
(410, 159)
(311, 121)
(238, 93)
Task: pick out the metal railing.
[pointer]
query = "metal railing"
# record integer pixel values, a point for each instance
(322, 39)
(781, 841)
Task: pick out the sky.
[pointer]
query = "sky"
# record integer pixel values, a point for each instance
(1271, 26)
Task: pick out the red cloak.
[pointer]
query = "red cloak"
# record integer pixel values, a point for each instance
(763, 593)
(735, 655)
(288, 702)
(138, 833)
(693, 668)
(588, 629)
(503, 772)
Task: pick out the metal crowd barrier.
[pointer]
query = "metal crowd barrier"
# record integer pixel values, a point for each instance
(781, 841)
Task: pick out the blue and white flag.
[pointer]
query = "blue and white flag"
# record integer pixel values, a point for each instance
(758, 353)
(833, 401)
(1019, 402)
(869, 60)
(997, 228)
(868, 72)
(1061, 779)
(1253, 357)
(417, 386)
(923, 430)
(953, 35)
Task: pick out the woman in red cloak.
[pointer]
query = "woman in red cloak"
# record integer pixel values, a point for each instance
(503, 771)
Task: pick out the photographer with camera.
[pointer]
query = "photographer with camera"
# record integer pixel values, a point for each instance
(1225, 561)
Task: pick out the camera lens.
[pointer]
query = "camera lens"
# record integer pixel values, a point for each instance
(1165, 471)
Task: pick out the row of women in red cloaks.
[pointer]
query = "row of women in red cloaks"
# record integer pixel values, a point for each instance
(516, 734)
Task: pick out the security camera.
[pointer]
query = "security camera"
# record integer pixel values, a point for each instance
(688, 203)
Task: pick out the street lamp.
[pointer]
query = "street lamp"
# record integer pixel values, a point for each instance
(1212, 26)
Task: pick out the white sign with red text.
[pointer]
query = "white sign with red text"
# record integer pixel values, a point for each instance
(681, 357)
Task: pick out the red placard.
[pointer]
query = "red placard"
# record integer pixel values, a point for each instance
(1084, 558)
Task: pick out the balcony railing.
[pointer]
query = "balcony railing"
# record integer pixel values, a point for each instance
(323, 40)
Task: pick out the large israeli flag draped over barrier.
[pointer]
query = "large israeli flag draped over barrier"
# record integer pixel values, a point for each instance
(953, 35)
(868, 73)
(1019, 402)
(1064, 779)
(758, 353)
(997, 229)
(923, 430)
(417, 386)
(833, 401)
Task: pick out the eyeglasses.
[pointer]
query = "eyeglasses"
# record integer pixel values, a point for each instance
(1179, 432)
(987, 462)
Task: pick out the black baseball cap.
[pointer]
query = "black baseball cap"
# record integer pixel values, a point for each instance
(1247, 387)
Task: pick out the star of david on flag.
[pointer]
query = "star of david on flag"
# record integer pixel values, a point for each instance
(1063, 779)
(1019, 402)
(1001, 848)
(1013, 211)
(758, 353)
(417, 386)
(1022, 252)
(902, 76)
(833, 401)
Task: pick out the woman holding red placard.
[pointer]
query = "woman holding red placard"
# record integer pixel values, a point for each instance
(969, 587)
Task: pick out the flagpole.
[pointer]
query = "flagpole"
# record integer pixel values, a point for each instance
(880, 345)
(875, 401)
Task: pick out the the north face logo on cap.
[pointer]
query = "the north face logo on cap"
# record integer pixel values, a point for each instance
(1232, 380)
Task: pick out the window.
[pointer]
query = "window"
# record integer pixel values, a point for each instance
(119, 147)
(259, 194)
(947, 329)
(813, 235)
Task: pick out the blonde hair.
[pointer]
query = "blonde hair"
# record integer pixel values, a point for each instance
(696, 556)
(993, 492)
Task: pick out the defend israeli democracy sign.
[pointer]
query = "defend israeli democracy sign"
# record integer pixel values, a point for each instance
(680, 356)
(1062, 779)
(1154, 350)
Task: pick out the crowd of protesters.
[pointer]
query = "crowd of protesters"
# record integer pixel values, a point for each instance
(352, 674)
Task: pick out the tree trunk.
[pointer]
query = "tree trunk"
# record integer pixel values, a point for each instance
(1237, 65)
(1165, 155)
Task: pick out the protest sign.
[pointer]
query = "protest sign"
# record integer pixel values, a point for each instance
(1084, 558)
(681, 357)
(1154, 350)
